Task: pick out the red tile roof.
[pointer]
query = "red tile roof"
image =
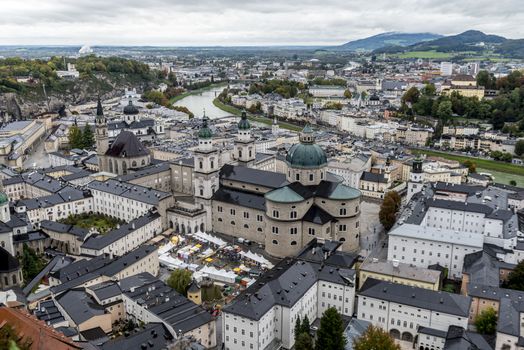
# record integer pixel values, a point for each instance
(42, 336)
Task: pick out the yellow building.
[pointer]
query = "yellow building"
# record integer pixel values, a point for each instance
(400, 273)
(464, 85)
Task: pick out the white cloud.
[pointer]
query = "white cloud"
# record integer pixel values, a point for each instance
(247, 22)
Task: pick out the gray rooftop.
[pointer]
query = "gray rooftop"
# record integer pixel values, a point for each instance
(449, 303)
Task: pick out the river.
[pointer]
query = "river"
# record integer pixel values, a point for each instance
(204, 100)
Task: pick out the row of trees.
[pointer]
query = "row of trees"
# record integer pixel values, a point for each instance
(284, 88)
(81, 139)
(508, 106)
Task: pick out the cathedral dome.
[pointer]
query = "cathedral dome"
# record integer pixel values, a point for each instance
(244, 124)
(130, 109)
(306, 154)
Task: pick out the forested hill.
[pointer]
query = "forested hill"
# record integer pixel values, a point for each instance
(26, 78)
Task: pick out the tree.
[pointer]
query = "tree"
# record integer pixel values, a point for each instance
(411, 96)
(298, 328)
(444, 111)
(375, 338)
(519, 148)
(513, 183)
(486, 321)
(88, 138)
(9, 339)
(486, 79)
(304, 342)
(347, 94)
(389, 209)
(31, 263)
(471, 165)
(330, 335)
(305, 326)
(75, 137)
(516, 278)
(180, 280)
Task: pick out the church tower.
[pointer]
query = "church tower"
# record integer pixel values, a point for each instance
(275, 129)
(244, 144)
(206, 169)
(416, 179)
(102, 139)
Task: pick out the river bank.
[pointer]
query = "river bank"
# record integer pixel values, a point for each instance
(197, 91)
(259, 119)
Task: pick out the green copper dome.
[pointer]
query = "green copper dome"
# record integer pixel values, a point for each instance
(244, 124)
(306, 154)
(205, 132)
(3, 198)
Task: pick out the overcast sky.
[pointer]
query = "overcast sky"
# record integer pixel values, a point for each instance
(246, 22)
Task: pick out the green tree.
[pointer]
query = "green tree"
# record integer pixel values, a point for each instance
(471, 165)
(411, 96)
(486, 79)
(304, 342)
(330, 334)
(444, 111)
(347, 94)
(388, 209)
(513, 183)
(9, 339)
(75, 137)
(519, 148)
(32, 264)
(305, 326)
(516, 278)
(180, 280)
(429, 90)
(88, 138)
(375, 338)
(297, 328)
(486, 321)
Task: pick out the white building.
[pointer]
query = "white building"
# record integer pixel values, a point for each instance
(327, 91)
(265, 313)
(446, 69)
(424, 246)
(401, 309)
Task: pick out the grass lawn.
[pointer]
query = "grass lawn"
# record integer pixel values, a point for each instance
(503, 178)
(195, 92)
(101, 222)
(255, 118)
(487, 165)
(425, 54)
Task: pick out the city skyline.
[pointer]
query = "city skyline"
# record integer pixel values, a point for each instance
(227, 23)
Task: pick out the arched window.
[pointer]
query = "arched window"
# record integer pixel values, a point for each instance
(311, 177)
(143, 162)
(342, 239)
(293, 214)
(233, 223)
(246, 226)
(293, 242)
(275, 241)
(134, 164)
(14, 279)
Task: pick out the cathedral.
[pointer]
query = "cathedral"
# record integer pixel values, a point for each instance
(283, 211)
(125, 153)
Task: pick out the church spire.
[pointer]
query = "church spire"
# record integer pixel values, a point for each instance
(99, 109)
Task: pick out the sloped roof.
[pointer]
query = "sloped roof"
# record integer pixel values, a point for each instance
(127, 145)
(8, 263)
(31, 328)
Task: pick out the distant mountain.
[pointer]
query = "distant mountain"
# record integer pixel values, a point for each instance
(471, 40)
(387, 39)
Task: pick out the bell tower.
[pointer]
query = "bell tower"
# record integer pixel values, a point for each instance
(244, 144)
(102, 138)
